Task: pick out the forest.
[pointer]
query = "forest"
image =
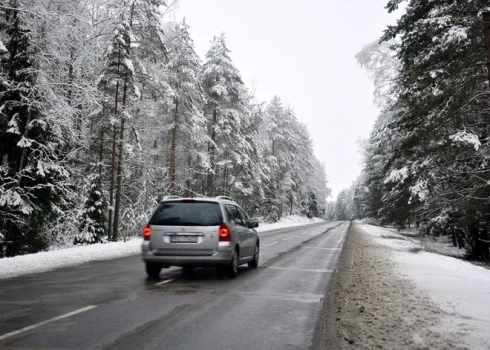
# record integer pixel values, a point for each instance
(105, 108)
(427, 159)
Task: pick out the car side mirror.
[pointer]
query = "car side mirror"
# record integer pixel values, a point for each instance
(254, 224)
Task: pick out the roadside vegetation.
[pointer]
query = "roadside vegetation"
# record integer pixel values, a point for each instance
(426, 162)
(105, 108)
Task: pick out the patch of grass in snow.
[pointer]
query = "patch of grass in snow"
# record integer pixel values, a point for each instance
(393, 237)
(416, 250)
(443, 247)
(439, 245)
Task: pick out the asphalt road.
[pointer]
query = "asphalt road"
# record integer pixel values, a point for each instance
(112, 305)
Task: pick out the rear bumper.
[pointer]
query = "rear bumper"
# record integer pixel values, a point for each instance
(221, 257)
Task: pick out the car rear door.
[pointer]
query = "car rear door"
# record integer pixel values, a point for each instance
(236, 225)
(186, 228)
(249, 237)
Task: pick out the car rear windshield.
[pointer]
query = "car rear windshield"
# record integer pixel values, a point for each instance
(187, 214)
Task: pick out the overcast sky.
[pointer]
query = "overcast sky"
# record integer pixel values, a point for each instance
(303, 51)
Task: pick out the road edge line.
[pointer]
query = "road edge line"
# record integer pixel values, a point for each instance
(293, 249)
(164, 282)
(28, 328)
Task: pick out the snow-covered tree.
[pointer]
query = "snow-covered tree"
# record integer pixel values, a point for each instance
(341, 206)
(226, 107)
(189, 125)
(93, 219)
(427, 158)
(103, 112)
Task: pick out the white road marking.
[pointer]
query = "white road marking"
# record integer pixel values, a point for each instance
(163, 282)
(28, 328)
(300, 270)
(269, 245)
(323, 248)
(285, 239)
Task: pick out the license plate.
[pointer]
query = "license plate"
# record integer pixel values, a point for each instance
(184, 239)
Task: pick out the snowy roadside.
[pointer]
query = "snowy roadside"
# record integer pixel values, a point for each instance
(441, 245)
(460, 289)
(388, 294)
(288, 221)
(53, 259)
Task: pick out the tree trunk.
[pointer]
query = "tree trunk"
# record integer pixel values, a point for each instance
(486, 33)
(453, 237)
(190, 175)
(77, 122)
(225, 182)
(155, 153)
(211, 174)
(173, 148)
(121, 149)
(119, 168)
(113, 165)
(101, 152)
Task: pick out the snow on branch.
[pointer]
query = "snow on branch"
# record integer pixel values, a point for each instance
(466, 138)
(397, 175)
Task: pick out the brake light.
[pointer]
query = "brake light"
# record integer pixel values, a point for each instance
(147, 233)
(188, 200)
(224, 233)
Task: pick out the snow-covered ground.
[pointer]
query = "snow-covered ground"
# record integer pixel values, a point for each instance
(53, 259)
(288, 221)
(442, 244)
(460, 289)
(45, 261)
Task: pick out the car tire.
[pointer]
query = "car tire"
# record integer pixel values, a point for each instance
(153, 271)
(232, 268)
(255, 262)
(188, 271)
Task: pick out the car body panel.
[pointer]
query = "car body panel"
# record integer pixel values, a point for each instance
(198, 245)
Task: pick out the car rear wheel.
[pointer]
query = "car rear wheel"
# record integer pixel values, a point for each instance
(255, 262)
(153, 270)
(232, 269)
(188, 271)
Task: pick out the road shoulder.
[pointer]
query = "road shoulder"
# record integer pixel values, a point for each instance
(368, 306)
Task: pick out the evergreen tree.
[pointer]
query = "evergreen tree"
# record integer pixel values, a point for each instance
(427, 154)
(33, 178)
(93, 219)
(102, 113)
(188, 120)
(225, 105)
(341, 206)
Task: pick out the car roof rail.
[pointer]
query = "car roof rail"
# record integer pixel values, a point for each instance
(166, 198)
(228, 198)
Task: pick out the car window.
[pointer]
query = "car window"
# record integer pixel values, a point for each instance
(244, 217)
(233, 214)
(187, 214)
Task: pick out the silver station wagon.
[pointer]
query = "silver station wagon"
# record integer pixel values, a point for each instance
(200, 232)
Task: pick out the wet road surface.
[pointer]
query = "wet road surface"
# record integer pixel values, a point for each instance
(112, 305)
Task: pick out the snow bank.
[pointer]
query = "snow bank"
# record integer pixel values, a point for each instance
(459, 288)
(441, 245)
(45, 261)
(288, 221)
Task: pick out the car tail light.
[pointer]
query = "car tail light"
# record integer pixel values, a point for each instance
(224, 233)
(147, 233)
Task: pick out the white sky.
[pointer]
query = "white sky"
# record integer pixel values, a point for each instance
(303, 51)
